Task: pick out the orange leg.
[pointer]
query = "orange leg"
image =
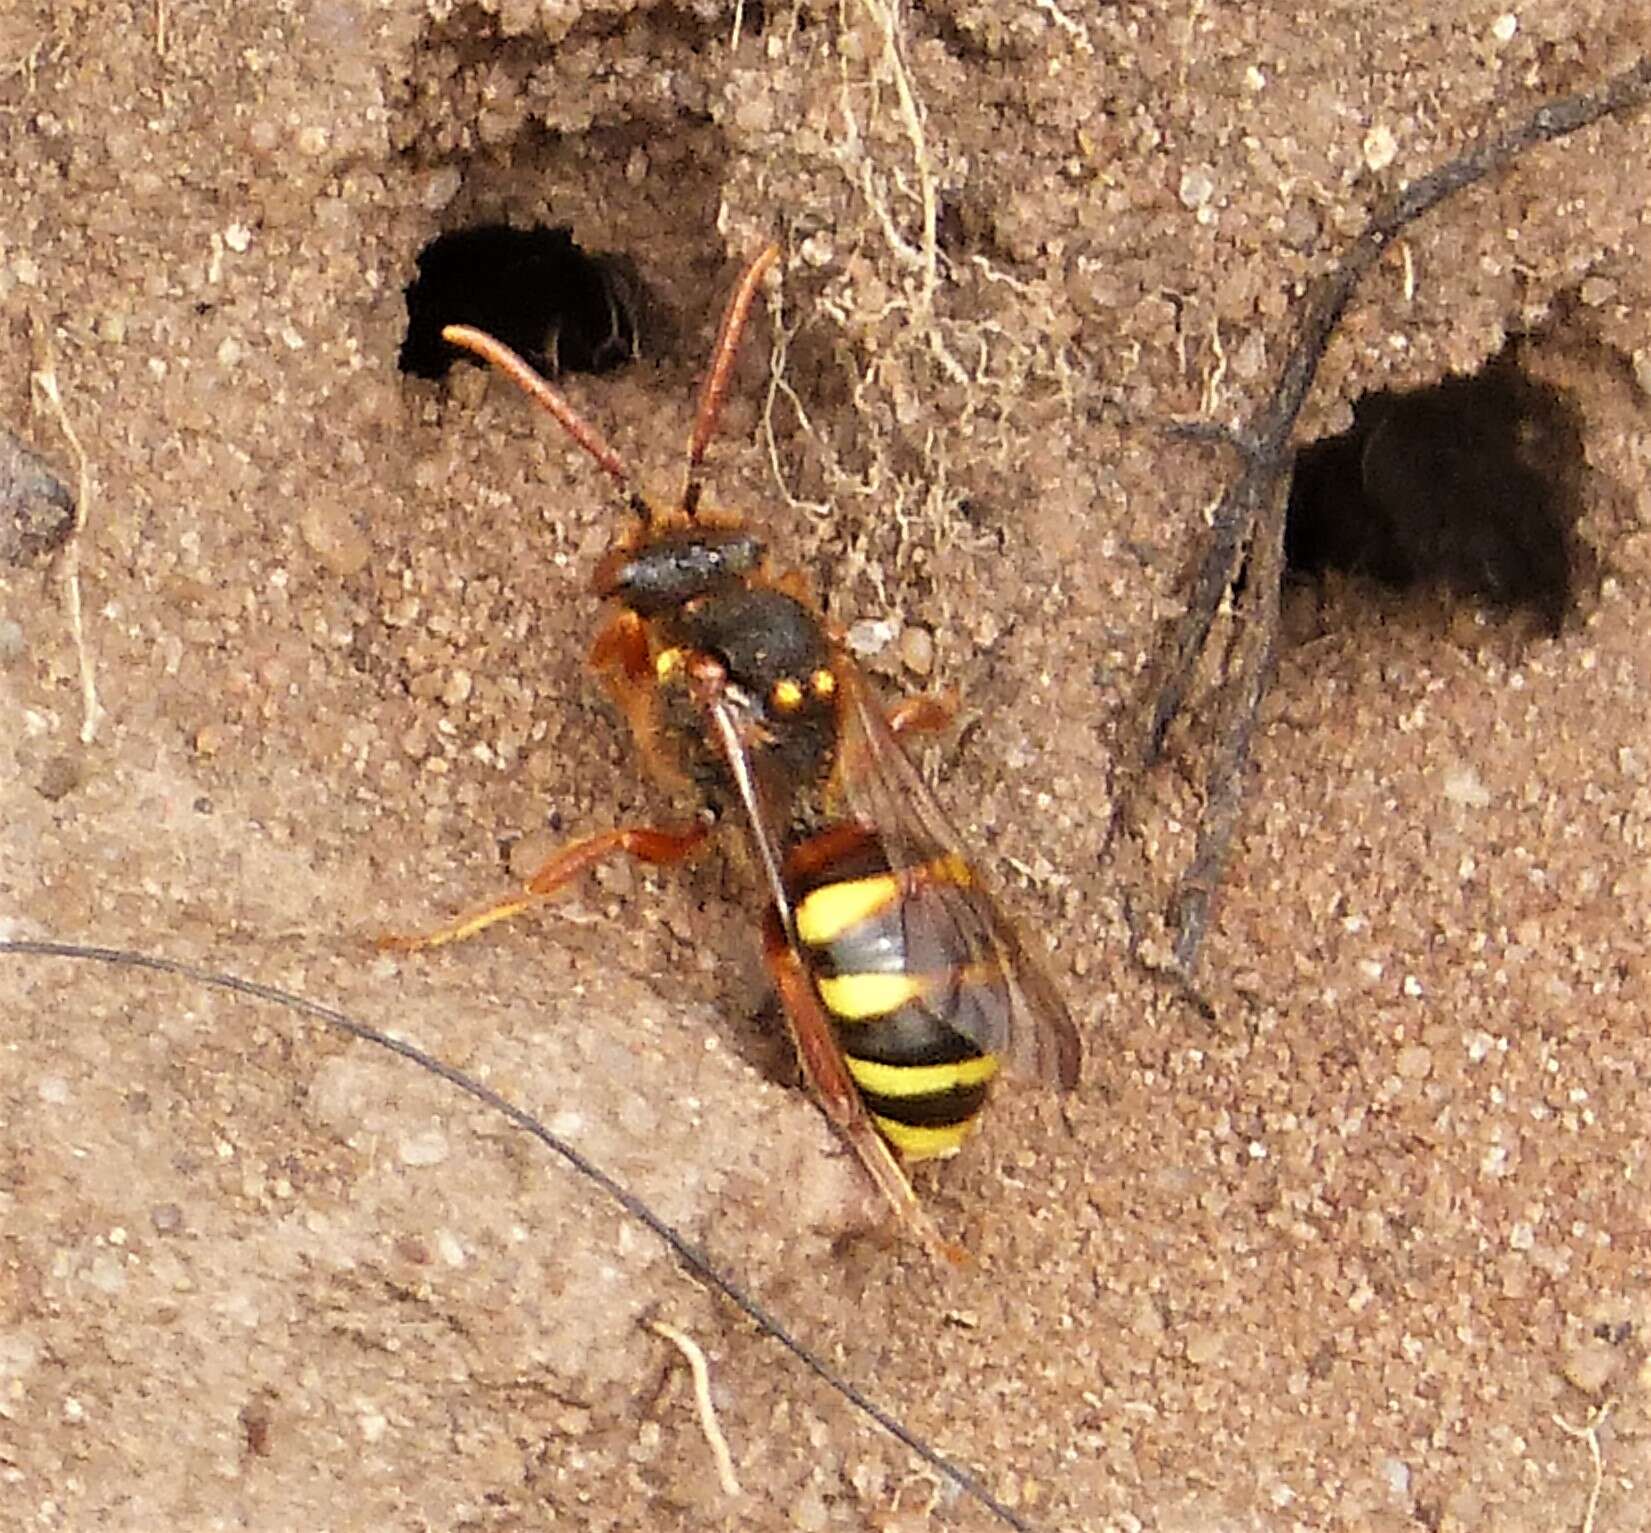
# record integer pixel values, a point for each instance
(620, 657)
(656, 847)
(827, 1074)
(923, 713)
(621, 646)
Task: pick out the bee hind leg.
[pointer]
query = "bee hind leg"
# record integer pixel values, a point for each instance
(833, 1087)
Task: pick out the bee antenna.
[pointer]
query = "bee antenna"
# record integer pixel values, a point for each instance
(718, 375)
(549, 399)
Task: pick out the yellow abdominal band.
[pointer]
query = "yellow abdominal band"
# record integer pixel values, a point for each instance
(921, 1080)
(927, 1141)
(829, 911)
(895, 1083)
(866, 997)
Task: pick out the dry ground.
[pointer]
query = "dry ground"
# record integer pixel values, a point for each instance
(1346, 1255)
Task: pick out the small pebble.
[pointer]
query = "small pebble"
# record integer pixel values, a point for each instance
(458, 687)
(1415, 1062)
(917, 650)
(59, 777)
(332, 536)
(1197, 186)
(871, 636)
(427, 1148)
(1203, 1347)
(1590, 1366)
(166, 1218)
(37, 509)
(1380, 148)
(1463, 785)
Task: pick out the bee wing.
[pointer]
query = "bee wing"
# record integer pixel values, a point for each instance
(883, 790)
(758, 813)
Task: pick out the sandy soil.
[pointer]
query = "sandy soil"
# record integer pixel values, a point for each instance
(1358, 1252)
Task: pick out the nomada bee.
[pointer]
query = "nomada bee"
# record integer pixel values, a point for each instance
(904, 984)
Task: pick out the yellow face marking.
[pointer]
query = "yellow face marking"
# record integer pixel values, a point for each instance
(921, 1080)
(863, 997)
(667, 663)
(824, 682)
(824, 914)
(926, 1142)
(787, 696)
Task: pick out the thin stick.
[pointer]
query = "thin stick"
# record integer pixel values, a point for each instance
(1255, 648)
(708, 1422)
(1589, 1433)
(44, 383)
(690, 1255)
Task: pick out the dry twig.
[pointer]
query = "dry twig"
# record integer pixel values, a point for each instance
(708, 1423)
(43, 382)
(1241, 558)
(1588, 1432)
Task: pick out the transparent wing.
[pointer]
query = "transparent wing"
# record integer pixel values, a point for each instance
(759, 818)
(883, 790)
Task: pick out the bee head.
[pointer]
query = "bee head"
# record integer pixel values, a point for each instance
(668, 570)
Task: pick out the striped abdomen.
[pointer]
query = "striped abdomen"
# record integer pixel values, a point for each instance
(904, 965)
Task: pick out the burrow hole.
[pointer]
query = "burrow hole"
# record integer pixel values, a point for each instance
(536, 188)
(564, 309)
(1469, 488)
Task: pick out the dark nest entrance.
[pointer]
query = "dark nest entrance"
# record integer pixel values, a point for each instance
(563, 309)
(1468, 487)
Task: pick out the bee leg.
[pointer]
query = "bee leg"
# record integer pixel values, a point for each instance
(621, 657)
(795, 584)
(621, 647)
(923, 713)
(655, 846)
(827, 1074)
